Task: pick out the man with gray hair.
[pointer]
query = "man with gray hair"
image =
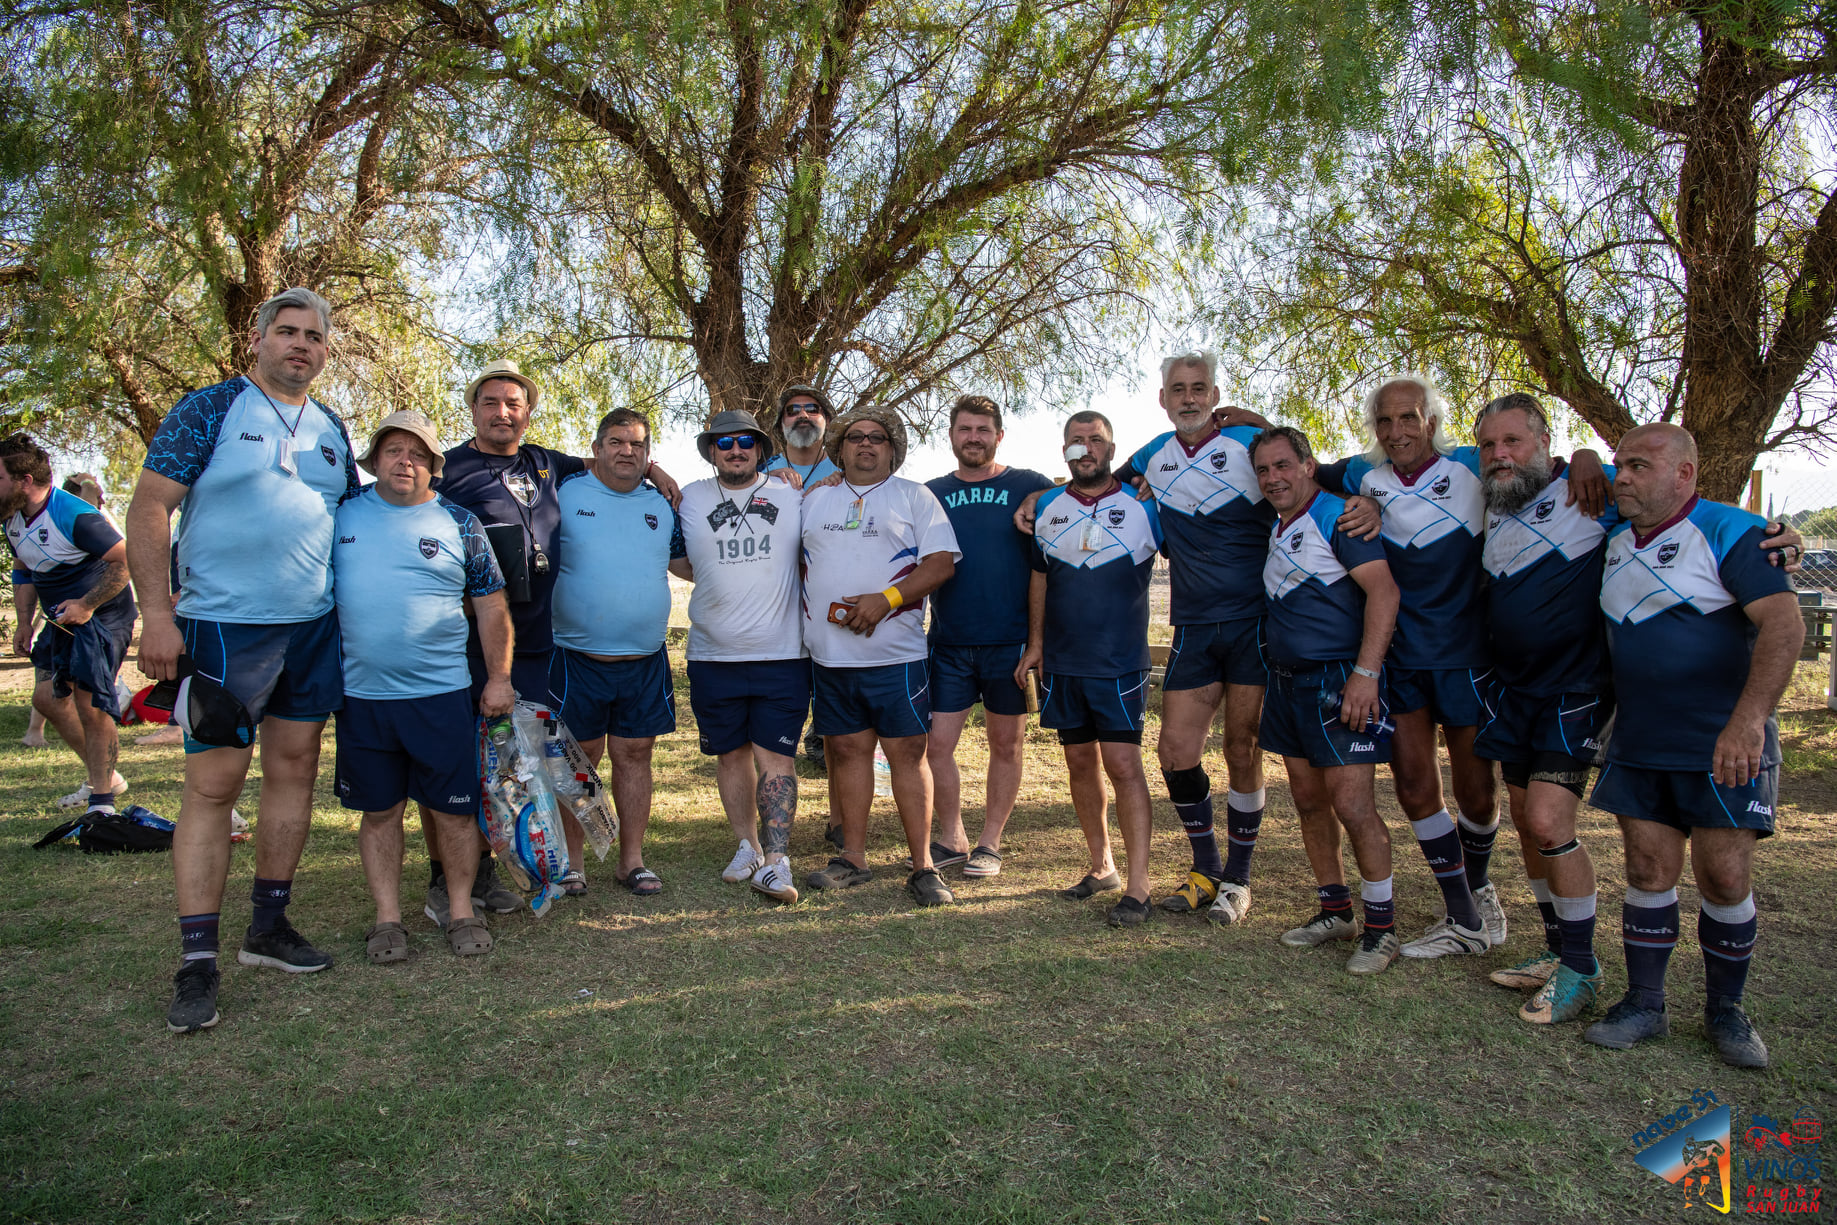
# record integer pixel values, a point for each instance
(257, 468)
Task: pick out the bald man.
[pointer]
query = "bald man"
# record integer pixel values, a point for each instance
(1704, 634)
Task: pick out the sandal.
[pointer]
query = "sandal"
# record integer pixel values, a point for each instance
(386, 942)
(983, 861)
(642, 881)
(1090, 886)
(573, 884)
(468, 937)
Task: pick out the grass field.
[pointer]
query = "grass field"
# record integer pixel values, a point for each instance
(707, 1056)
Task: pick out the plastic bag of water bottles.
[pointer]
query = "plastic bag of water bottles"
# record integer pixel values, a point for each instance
(521, 815)
(577, 782)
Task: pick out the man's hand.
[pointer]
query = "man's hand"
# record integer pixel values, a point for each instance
(72, 613)
(161, 644)
(22, 640)
(1230, 414)
(834, 478)
(1031, 659)
(789, 476)
(1738, 752)
(1362, 518)
(1588, 484)
(1144, 492)
(498, 697)
(666, 485)
(1358, 702)
(1023, 514)
(1785, 547)
(866, 611)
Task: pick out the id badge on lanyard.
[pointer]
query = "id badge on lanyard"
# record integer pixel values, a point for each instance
(854, 516)
(283, 455)
(1090, 538)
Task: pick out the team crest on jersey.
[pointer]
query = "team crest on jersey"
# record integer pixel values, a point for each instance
(1117, 515)
(1545, 507)
(44, 534)
(520, 486)
(331, 456)
(650, 521)
(1294, 543)
(1666, 552)
(1440, 487)
(1219, 459)
(429, 547)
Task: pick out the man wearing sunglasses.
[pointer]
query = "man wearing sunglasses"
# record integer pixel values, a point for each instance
(749, 675)
(875, 546)
(800, 430)
(610, 672)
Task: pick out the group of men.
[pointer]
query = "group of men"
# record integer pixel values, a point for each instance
(1337, 614)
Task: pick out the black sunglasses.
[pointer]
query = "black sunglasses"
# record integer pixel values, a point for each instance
(745, 442)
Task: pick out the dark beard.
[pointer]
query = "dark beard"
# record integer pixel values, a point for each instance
(736, 482)
(1097, 480)
(1509, 495)
(13, 504)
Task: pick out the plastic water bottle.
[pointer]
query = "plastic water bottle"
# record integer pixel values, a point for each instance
(883, 774)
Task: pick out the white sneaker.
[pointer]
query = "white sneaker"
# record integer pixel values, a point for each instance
(774, 880)
(238, 823)
(745, 862)
(1492, 913)
(1231, 904)
(80, 797)
(1447, 938)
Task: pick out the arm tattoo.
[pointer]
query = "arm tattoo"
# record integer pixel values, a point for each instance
(110, 585)
(777, 806)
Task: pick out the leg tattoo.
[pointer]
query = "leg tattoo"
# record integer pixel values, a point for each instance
(777, 806)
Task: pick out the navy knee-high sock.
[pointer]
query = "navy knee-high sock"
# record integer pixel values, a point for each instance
(1441, 846)
(1477, 848)
(1726, 934)
(1191, 792)
(1649, 930)
(1553, 934)
(1243, 820)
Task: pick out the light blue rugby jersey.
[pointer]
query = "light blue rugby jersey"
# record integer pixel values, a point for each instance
(1316, 610)
(1679, 639)
(1097, 598)
(1216, 521)
(402, 575)
(612, 594)
(254, 543)
(811, 475)
(1434, 533)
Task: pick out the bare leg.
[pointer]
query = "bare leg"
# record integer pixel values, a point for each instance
(911, 793)
(1007, 744)
(457, 837)
(1123, 764)
(946, 780)
(1319, 828)
(1414, 770)
(851, 788)
(379, 844)
(101, 741)
(1353, 801)
(630, 766)
(290, 767)
(1243, 755)
(736, 777)
(201, 840)
(1092, 804)
(61, 714)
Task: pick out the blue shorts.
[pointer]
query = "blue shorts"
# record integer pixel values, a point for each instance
(1301, 719)
(1456, 697)
(1688, 799)
(529, 676)
(742, 702)
(420, 749)
(892, 700)
(963, 676)
(290, 671)
(1228, 651)
(1086, 708)
(88, 657)
(632, 699)
(1559, 731)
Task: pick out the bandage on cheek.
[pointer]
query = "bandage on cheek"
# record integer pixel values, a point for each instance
(1076, 452)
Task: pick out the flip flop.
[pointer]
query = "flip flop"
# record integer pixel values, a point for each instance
(1090, 886)
(643, 882)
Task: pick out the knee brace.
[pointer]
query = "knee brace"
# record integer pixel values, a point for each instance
(1557, 852)
(1187, 786)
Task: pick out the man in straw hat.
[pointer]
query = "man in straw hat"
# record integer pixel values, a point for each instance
(875, 546)
(409, 566)
(258, 468)
(749, 674)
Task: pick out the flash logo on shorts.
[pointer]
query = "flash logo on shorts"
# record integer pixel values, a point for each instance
(459, 799)
(1363, 746)
(1762, 809)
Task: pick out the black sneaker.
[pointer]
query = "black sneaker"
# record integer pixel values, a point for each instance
(194, 996)
(1734, 1036)
(489, 893)
(840, 874)
(281, 949)
(1129, 913)
(1626, 1023)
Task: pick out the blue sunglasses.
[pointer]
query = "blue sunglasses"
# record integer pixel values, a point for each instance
(745, 442)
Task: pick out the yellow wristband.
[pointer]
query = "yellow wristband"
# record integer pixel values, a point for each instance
(894, 599)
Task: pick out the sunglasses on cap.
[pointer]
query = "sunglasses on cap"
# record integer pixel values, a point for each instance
(728, 442)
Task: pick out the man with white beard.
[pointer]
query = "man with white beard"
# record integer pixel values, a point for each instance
(800, 431)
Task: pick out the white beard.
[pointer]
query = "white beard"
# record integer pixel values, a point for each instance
(805, 433)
